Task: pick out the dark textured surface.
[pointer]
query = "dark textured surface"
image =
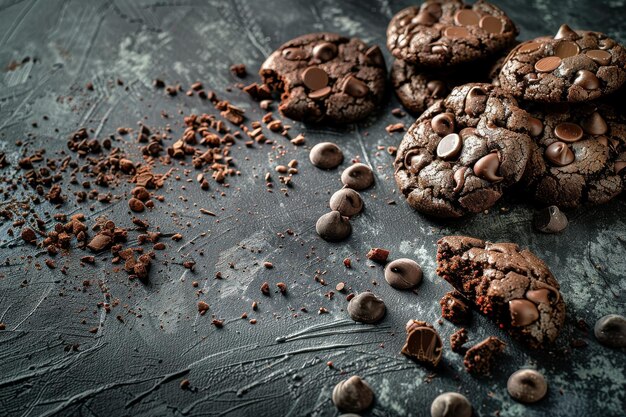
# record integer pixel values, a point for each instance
(134, 368)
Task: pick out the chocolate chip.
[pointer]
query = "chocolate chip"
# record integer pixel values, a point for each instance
(599, 56)
(353, 395)
(295, 54)
(568, 132)
(527, 386)
(366, 308)
(320, 94)
(425, 18)
(355, 87)
(492, 24)
(443, 124)
(423, 343)
(347, 202)
(536, 126)
(403, 274)
(523, 312)
(466, 17)
(475, 101)
(487, 168)
(358, 177)
(456, 32)
(619, 166)
(565, 32)
(333, 227)
(529, 47)
(375, 56)
(449, 147)
(595, 124)
(566, 49)
(325, 51)
(610, 330)
(451, 404)
(548, 64)
(459, 179)
(587, 80)
(559, 154)
(437, 88)
(550, 220)
(314, 78)
(326, 155)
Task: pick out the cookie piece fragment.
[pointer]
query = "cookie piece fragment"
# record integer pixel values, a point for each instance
(572, 66)
(479, 359)
(443, 33)
(458, 339)
(326, 78)
(509, 285)
(579, 157)
(454, 308)
(461, 154)
(423, 343)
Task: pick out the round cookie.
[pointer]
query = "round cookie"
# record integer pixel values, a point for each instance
(573, 66)
(579, 156)
(460, 155)
(324, 77)
(443, 33)
(510, 285)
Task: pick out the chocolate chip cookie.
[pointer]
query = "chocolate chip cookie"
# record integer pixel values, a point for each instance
(460, 155)
(573, 66)
(324, 77)
(443, 33)
(508, 284)
(579, 157)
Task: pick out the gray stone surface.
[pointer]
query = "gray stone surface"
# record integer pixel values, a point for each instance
(134, 367)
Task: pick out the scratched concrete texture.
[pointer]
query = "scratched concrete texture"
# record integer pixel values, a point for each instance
(133, 368)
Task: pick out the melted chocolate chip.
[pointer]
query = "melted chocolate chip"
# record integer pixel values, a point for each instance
(559, 154)
(443, 124)
(587, 80)
(523, 312)
(487, 168)
(568, 132)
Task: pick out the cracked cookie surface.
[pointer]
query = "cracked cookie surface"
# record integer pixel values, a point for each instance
(572, 66)
(324, 77)
(510, 285)
(579, 156)
(446, 33)
(460, 155)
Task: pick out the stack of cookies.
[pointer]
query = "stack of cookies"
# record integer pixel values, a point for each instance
(540, 114)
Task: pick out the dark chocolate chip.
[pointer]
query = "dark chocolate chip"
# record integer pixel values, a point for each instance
(403, 273)
(325, 51)
(333, 227)
(358, 177)
(451, 404)
(527, 386)
(587, 80)
(559, 154)
(314, 78)
(366, 308)
(353, 395)
(523, 312)
(610, 330)
(568, 132)
(355, 87)
(326, 155)
(550, 220)
(443, 124)
(487, 168)
(449, 147)
(347, 202)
